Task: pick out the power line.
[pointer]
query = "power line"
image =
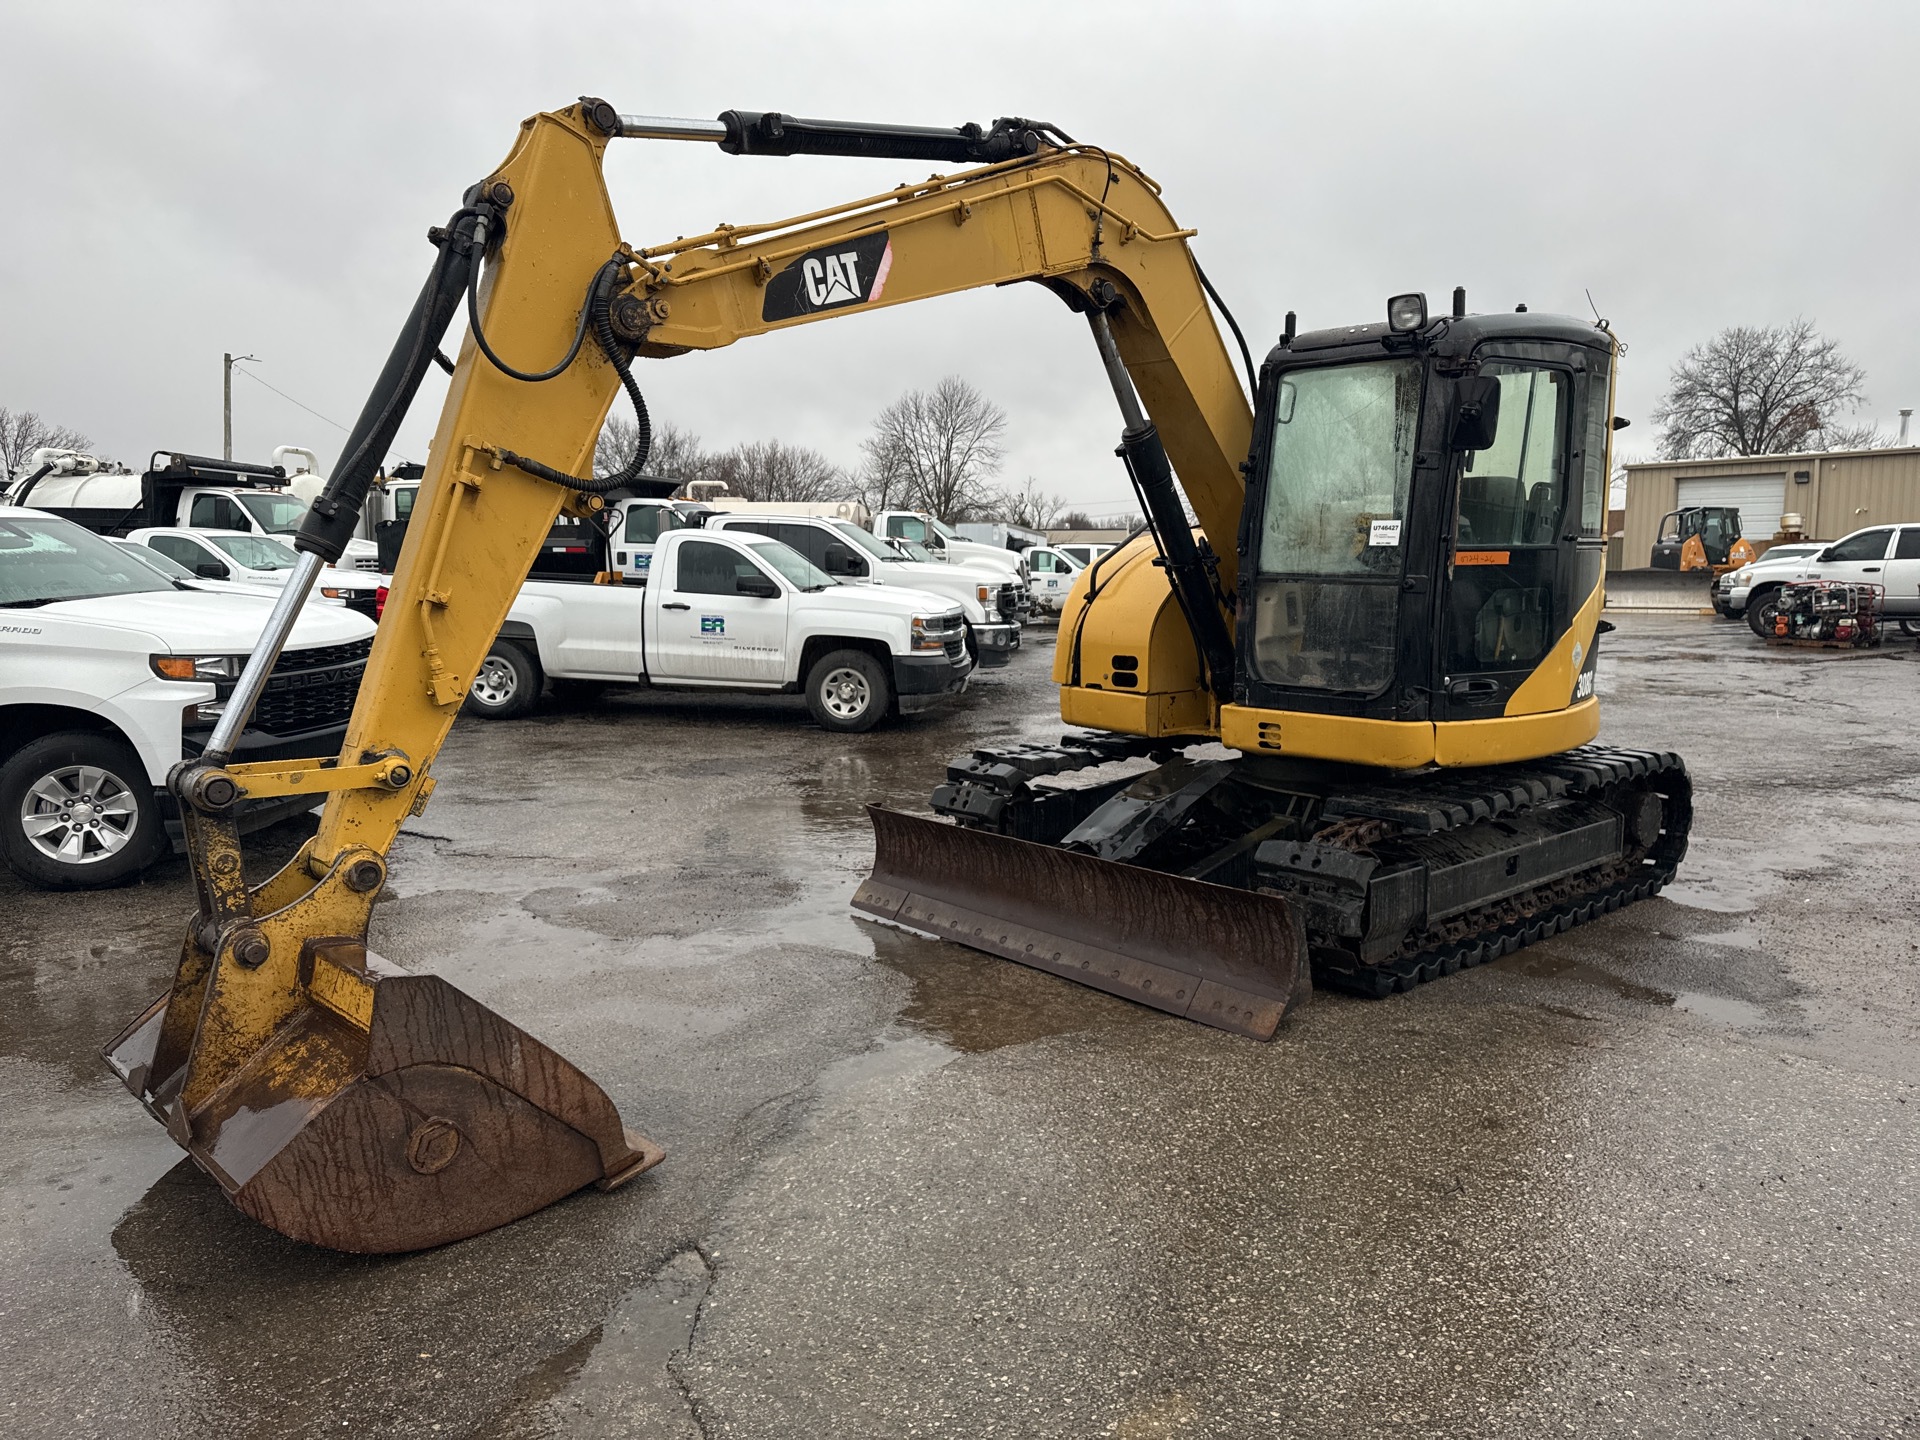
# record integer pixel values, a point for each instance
(290, 400)
(308, 408)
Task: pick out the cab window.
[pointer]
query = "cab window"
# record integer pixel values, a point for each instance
(1867, 545)
(178, 547)
(647, 523)
(908, 527)
(1512, 492)
(709, 569)
(217, 512)
(1909, 546)
(1041, 562)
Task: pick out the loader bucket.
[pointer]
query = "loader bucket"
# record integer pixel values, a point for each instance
(1235, 959)
(390, 1112)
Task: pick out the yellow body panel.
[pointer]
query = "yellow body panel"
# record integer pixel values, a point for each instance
(1160, 694)
(1386, 744)
(1466, 743)
(1550, 686)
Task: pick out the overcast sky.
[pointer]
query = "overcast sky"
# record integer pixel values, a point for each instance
(187, 179)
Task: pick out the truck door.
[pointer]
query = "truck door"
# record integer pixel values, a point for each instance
(1903, 573)
(711, 624)
(1860, 558)
(1052, 576)
(643, 522)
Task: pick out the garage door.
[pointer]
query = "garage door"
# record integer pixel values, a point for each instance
(1758, 498)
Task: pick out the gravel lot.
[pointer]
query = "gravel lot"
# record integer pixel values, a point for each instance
(1656, 1177)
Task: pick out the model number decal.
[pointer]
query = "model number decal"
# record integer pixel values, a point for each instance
(1583, 687)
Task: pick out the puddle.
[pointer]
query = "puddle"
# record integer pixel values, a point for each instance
(1723, 1009)
(892, 1059)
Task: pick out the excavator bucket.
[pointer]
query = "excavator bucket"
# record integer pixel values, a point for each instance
(389, 1112)
(1234, 959)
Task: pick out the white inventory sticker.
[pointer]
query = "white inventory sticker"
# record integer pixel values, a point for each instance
(1384, 532)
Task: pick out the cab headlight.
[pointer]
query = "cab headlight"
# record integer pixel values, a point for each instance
(337, 592)
(989, 598)
(195, 667)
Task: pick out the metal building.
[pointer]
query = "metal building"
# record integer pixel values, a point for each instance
(1833, 493)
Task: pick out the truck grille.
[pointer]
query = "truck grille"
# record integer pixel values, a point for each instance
(367, 562)
(1013, 600)
(312, 689)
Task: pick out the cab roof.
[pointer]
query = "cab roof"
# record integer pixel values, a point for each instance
(1447, 336)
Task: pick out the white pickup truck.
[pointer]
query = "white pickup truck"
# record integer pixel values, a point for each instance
(735, 612)
(989, 600)
(111, 673)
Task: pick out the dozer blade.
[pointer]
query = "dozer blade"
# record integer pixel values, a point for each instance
(1235, 959)
(389, 1112)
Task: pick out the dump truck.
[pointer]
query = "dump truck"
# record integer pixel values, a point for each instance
(1385, 604)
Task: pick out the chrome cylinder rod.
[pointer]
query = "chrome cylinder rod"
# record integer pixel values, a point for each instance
(662, 127)
(266, 654)
(1131, 415)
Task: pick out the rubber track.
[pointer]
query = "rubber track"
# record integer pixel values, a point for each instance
(1437, 803)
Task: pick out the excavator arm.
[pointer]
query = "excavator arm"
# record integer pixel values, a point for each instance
(355, 1106)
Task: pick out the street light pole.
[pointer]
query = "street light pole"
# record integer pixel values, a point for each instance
(226, 403)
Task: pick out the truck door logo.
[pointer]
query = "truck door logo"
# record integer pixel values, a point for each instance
(849, 273)
(713, 624)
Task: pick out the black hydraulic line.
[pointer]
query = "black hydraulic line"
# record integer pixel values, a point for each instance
(1187, 569)
(755, 132)
(532, 377)
(19, 497)
(1246, 355)
(331, 518)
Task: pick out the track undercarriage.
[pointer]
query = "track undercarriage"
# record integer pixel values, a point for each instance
(1386, 880)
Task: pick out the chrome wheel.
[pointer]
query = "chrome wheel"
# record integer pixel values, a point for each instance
(845, 693)
(496, 683)
(79, 814)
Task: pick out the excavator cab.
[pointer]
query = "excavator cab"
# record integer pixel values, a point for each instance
(1425, 516)
(1701, 538)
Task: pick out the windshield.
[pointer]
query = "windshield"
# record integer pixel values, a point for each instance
(866, 540)
(1340, 467)
(939, 528)
(256, 553)
(43, 560)
(276, 514)
(165, 564)
(792, 564)
(916, 551)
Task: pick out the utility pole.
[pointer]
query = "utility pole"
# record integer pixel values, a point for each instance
(226, 403)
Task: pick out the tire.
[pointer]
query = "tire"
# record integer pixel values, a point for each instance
(77, 812)
(1910, 627)
(507, 684)
(848, 692)
(1760, 609)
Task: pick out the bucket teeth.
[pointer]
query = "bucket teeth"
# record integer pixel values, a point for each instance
(1234, 959)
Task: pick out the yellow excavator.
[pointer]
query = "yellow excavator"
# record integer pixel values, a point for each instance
(1335, 723)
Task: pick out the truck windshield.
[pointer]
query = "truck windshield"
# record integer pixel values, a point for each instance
(866, 540)
(792, 564)
(255, 553)
(1330, 541)
(276, 514)
(43, 560)
(941, 529)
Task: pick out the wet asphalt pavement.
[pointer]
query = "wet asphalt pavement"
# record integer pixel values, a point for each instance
(1654, 1177)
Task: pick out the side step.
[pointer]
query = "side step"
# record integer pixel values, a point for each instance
(1234, 959)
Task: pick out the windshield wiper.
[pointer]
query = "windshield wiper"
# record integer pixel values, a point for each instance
(25, 604)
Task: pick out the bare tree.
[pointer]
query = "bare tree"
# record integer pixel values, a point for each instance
(675, 454)
(1026, 504)
(1756, 391)
(1074, 520)
(773, 470)
(935, 450)
(22, 432)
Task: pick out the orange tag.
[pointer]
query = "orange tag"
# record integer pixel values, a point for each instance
(1480, 557)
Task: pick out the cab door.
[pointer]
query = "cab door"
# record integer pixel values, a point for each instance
(1050, 576)
(1514, 548)
(1903, 573)
(711, 627)
(1860, 558)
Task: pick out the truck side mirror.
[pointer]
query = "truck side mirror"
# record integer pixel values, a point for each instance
(840, 561)
(1476, 421)
(210, 570)
(755, 584)
(1825, 555)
